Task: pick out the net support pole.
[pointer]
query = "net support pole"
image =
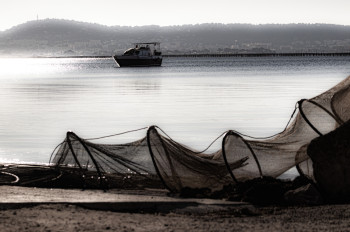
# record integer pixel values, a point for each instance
(75, 156)
(88, 151)
(153, 159)
(225, 157)
(300, 103)
(248, 146)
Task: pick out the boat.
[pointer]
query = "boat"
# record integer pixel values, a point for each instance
(141, 55)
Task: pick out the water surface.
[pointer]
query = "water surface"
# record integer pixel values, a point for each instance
(193, 99)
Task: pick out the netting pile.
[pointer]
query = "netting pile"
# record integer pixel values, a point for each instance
(158, 161)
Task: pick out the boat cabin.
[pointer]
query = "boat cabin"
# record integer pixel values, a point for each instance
(144, 49)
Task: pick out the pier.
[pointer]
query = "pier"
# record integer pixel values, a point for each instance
(260, 54)
(221, 55)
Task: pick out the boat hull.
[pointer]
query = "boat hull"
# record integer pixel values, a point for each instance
(135, 61)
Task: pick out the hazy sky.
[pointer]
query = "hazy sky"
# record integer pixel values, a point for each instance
(179, 12)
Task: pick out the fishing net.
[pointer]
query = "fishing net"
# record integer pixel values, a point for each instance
(153, 161)
(273, 156)
(107, 165)
(157, 161)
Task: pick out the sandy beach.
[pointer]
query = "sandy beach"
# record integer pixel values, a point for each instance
(42, 209)
(64, 217)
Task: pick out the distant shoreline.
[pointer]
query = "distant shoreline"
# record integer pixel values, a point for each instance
(224, 55)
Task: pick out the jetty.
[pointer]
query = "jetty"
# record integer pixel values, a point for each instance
(260, 54)
(218, 55)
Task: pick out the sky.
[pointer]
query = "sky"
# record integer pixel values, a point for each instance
(179, 12)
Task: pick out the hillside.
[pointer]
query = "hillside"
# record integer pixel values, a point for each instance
(65, 37)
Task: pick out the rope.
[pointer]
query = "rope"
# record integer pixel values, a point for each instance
(125, 132)
(13, 175)
(107, 136)
(198, 152)
(271, 136)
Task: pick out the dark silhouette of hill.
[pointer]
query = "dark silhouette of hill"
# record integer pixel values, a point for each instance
(58, 30)
(57, 37)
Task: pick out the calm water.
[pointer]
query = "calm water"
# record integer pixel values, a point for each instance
(193, 99)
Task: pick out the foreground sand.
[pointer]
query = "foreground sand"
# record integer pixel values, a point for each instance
(41, 209)
(65, 217)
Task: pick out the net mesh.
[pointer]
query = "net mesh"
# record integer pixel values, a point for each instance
(110, 165)
(274, 156)
(156, 160)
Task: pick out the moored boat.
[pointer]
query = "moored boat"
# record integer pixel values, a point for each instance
(141, 55)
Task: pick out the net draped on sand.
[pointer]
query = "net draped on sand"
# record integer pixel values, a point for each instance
(156, 160)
